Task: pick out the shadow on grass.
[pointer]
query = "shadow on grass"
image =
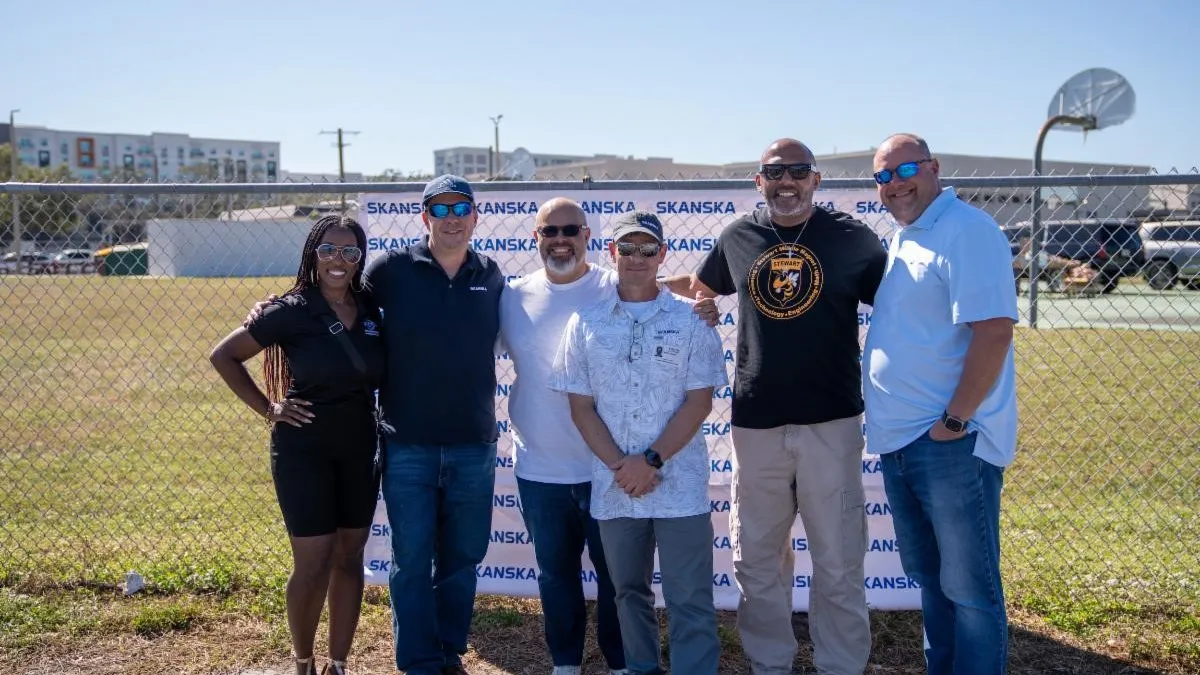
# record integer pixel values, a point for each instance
(507, 634)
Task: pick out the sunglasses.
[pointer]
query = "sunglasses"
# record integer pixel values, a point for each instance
(906, 170)
(776, 171)
(460, 209)
(351, 254)
(555, 230)
(648, 250)
(635, 346)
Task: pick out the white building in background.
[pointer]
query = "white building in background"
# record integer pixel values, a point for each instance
(463, 161)
(160, 157)
(317, 177)
(1181, 200)
(1004, 203)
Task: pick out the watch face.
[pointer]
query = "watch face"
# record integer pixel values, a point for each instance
(952, 424)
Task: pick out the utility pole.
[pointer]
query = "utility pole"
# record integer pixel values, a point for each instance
(341, 145)
(496, 123)
(16, 200)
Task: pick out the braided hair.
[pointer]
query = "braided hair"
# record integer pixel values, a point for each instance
(276, 374)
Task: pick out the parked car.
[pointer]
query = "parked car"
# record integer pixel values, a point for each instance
(31, 262)
(1172, 253)
(72, 260)
(1112, 247)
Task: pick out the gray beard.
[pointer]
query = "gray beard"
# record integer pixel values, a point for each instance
(776, 211)
(561, 266)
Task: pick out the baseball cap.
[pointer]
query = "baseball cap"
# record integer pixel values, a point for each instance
(637, 221)
(447, 183)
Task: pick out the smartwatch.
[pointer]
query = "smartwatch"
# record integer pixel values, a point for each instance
(653, 458)
(953, 423)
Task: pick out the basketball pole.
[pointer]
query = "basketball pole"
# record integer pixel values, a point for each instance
(1088, 123)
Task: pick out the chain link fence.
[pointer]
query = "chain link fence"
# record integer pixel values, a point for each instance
(121, 449)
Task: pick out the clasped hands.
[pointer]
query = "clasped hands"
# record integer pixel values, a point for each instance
(634, 475)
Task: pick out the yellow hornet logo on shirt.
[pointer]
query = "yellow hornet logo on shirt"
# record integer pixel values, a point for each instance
(785, 281)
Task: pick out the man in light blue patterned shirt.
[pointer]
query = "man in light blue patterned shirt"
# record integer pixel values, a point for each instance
(639, 372)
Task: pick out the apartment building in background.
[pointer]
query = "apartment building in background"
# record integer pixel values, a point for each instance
(464, 161)
(159, 157)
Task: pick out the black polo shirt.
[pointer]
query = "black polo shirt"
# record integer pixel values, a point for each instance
(322, 372)
(440, 386)
(798, 294)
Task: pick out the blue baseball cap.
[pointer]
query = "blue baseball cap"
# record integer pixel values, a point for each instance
(447, 183)
(637, 221)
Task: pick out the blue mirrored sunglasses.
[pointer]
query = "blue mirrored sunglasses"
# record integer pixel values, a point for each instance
(906, 170)
(460, 209)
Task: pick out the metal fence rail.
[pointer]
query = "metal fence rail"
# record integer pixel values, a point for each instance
(121, 449)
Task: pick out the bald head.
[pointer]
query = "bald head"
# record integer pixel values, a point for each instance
(561, 231)
(560, 207)
(789, 185)
(914, 176)
(788, 151)
(897, 141)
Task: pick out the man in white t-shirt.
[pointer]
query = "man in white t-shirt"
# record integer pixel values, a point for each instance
(553, 463)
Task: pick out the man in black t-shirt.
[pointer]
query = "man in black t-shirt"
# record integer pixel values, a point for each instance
(800, 272)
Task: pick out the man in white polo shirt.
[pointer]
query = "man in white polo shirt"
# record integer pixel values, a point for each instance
(552, 461)
(941, 406)
(639, 371)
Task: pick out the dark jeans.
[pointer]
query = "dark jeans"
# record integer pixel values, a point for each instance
(558, 518)
(439, 506)
(946, 510)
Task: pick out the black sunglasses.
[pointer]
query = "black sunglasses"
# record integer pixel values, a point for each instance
(555, 230)
(648, 250)
(775, 171)
(351, 254)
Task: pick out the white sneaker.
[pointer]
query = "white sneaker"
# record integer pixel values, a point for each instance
(566, 670)
(623, 671)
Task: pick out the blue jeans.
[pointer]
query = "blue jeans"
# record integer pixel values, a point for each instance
(946, 510)
(558, 517)
(439, 506)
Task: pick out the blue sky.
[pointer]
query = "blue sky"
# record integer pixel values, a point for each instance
(702, 81)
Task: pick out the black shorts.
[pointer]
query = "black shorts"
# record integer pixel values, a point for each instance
(324, 478)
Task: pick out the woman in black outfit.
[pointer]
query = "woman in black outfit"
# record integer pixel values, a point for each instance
(320, 405)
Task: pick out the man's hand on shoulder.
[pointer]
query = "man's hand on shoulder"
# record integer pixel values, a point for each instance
(258, 309)
(706, 309)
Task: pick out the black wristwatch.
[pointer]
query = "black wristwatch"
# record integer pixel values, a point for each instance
(653, 458)
(953, 423)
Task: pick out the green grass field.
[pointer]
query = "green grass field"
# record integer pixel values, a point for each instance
(121, 449)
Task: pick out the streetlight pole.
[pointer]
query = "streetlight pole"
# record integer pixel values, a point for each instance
(16, 200)
(496, 147)
(341, 159)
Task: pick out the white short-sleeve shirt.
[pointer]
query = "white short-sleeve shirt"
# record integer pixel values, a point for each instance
(639, 372)
(534, 311)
